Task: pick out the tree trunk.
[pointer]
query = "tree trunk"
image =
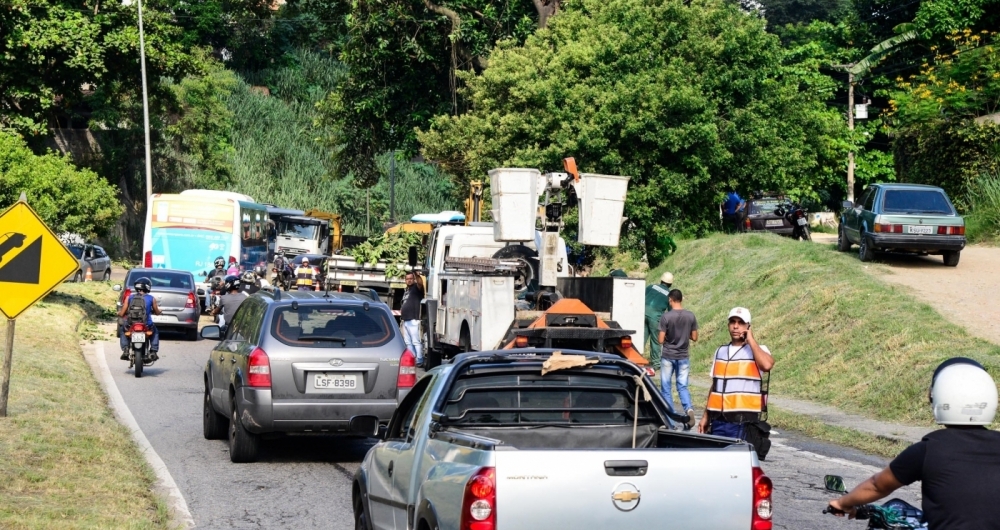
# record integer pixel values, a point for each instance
(546, 9)
(456, 25)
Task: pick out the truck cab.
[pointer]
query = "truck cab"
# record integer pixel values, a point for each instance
(297, 235)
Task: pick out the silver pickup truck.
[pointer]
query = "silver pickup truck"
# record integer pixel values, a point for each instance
(489, 442)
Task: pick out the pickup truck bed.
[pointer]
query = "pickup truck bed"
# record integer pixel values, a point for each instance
(569, 449)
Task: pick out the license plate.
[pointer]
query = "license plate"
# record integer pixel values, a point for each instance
(352, 283)
(919, 229)
(325, 381)
(774, 222)
(138, 338)
(163, 318)
(397, 285)
(801, 221)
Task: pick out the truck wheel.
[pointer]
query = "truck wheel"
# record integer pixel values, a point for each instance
(951, 257)
(843, 244)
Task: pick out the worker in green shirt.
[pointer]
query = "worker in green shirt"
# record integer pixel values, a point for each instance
(656, 305)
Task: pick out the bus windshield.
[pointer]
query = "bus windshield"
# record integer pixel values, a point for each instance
(298, 229)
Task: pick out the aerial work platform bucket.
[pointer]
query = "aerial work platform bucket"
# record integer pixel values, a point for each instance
(515, 203)
(602, 201)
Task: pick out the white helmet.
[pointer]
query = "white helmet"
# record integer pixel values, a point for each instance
(963, 393)
(667, 278)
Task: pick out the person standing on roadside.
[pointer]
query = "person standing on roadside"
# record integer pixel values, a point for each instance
(678, 327)
(734, 210)
(736, 398)
(656, 303)
(409, 313)
(305, 276)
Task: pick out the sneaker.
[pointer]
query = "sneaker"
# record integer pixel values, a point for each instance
(124, 356)
(690, 422)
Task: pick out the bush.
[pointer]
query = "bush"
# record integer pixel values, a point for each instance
(983, 221)
(68, 199)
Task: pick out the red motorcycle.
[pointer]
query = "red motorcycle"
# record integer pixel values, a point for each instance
(138, 335)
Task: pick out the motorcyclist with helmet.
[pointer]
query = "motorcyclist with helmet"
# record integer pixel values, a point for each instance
(142, 287)
(230, 301)
(248, 283)
(261, 272)
(958, 466)
(220, 272)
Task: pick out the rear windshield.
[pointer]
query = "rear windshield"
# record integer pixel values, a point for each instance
(531, 399)
(332, 326)
(916, 201)
(177, 280)
(764, 206)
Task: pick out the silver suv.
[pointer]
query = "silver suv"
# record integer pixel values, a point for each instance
(304, 362)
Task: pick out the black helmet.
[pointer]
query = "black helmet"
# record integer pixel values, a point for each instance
(248, 277)
(143, 285)
(231, 282)
(260, 271)
(220, 262)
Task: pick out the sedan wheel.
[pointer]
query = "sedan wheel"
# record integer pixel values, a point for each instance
(107, 275)
(843, 244)
(865, 252)
(360, 519)
(951, 258)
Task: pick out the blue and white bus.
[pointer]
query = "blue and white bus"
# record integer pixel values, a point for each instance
(187, 231)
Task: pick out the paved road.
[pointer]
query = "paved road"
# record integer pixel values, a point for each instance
(304, 482)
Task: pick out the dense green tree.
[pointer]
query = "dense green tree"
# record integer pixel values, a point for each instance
(689, 101)
(67, 199)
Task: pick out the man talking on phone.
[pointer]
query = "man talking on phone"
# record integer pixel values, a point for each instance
(735, 398)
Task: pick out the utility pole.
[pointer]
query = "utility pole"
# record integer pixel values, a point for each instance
(850, 126)
(145, 107)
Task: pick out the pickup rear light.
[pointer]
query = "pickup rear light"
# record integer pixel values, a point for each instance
(259, 371)
(762, 508)
(479, 504)
(521, 341)
(190, 301)
(407, 370)
(951, 230)
(889, 229)
(626, 342)
(147, 259)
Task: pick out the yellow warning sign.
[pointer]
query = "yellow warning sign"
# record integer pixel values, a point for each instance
(32, 260)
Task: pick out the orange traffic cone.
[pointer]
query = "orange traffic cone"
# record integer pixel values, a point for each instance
(89, 276)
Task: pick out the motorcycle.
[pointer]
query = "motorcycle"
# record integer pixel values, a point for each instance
(895, 514)
(281, 278)
(796, 216)
(138, 335)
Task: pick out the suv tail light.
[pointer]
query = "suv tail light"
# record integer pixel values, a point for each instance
(889, 229)
(407, 370)
(259, 371)
(190, 301)
(147, 260)
(762, 509)
(479, 504)
(951, 230)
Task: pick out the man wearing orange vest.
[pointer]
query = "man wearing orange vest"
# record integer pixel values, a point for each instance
(735, 398)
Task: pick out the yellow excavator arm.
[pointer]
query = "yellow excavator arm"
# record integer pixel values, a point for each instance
(474, 204)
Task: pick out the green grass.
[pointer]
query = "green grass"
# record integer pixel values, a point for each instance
(66, 461)
(839, 335)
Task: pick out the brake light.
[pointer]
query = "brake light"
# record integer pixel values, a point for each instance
(190, 301)
(407, 370)
(889, 229)
(951, 230)
(259, 371)
(521, 341)
(480, 500)
(762, 509)
(147, 260)
(138, 327)
(626, 343)
(746, 223)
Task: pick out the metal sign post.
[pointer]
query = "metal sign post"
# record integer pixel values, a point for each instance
(25, 244)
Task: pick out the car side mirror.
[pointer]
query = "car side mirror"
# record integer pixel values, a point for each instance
(201, 292)
(211, 332)
(117, 288)
(848, 205)
(364, 426)
(835, 484)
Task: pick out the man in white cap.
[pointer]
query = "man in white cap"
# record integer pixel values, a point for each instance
(736, 398)
(305, 277)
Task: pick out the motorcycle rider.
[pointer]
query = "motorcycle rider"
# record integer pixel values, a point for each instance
(261, 272)
(220, 271)
(958, 466)
(248, 283)
(281, 273)
(142, 287)
(230, 301)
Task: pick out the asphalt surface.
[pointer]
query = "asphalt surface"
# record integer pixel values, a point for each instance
(305, 482)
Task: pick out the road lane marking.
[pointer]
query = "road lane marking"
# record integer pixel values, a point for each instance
(165, 481)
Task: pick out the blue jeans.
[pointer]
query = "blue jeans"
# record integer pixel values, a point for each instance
(731, 430)
(676, 369)
(154, 342)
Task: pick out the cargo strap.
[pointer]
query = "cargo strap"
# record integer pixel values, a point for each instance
(640, 388)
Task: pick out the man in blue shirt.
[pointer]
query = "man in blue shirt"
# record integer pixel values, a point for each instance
(733, 210)
(142, 287)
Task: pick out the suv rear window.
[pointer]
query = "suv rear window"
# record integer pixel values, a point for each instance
(536, 400)
(764, 206)
(331, 326)
(916, 201)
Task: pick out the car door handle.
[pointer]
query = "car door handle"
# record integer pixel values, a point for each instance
(221, 358)
(390, 468)
(234, 360)
(625, 468)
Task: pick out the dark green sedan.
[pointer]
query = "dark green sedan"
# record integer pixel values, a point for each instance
(902, 218)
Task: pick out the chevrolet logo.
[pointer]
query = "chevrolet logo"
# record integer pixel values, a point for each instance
(626, 496)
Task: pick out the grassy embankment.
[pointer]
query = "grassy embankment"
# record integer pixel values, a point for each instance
(66, 461)
(839, 336)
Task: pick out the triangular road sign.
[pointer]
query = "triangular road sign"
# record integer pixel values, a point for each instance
(32, 260)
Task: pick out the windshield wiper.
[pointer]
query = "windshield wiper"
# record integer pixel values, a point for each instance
(316, 338)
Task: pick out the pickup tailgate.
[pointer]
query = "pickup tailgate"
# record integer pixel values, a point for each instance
(597, 489)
